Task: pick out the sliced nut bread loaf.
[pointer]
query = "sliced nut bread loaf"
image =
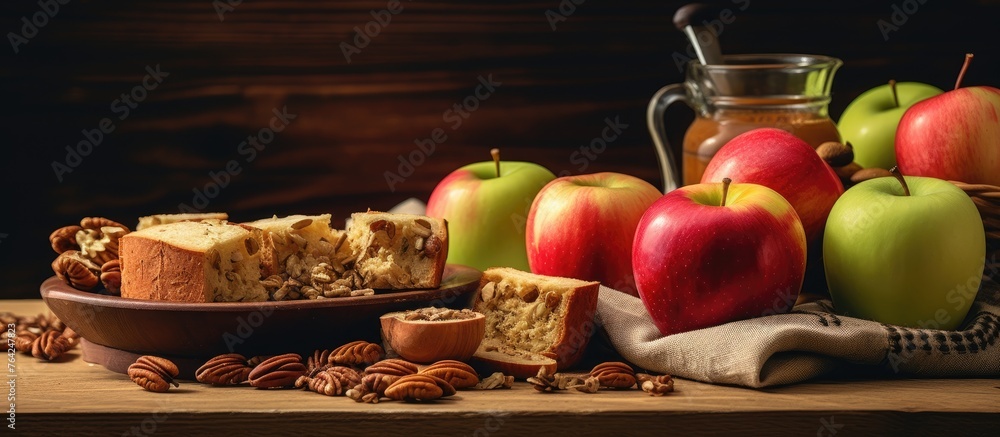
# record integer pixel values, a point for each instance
(398, 251)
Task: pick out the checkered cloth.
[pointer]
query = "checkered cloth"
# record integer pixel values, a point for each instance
(809, 341)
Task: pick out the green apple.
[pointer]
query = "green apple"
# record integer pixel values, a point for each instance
(869, 122)
(905, 251)
(486, 205)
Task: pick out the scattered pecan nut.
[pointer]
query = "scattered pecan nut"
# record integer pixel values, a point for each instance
(655, 385)
(496, 380)
(589, 385)
(319, 358)
(614, 374)
(334, 381)
(457, 373)
(49, 346)
(256, 360)
(543, 381)
(226, 369)
(100, 222)
(419, 388)
(153, 373)
(392, 366)
(111, 277)
(836, 154)
(356, 353)
(278, 371)
(64, 239)
(869, 173)
(377, 383)
(76, 270)
(24, 340)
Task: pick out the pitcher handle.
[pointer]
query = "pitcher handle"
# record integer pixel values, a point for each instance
(663, 98)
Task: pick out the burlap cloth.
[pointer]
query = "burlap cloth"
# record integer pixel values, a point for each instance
(809, 341)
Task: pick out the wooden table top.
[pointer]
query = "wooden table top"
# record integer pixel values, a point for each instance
(73, 396)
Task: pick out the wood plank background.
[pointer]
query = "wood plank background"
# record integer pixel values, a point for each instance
(353, 120)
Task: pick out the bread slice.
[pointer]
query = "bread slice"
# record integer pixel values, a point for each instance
(206, 261)
(162, 219)
(398, 251)
(305, 259)
(493, 356)
(537, 314)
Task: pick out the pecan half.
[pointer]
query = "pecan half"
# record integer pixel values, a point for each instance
(111, 277)
(333, 381)
(655, 385)
(100, 222)
(64, 239)
(417, 388)
(49, 346)
(319, 358)
(153, 373)
(278, 371)
(614, 374)
(356, 353)
(24, 340)
(392, 366)
(227, 369)
(76, 270)
(457, 373)
(377, 383)
(496, 380)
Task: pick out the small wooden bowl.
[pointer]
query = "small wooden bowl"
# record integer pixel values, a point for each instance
(423, 341)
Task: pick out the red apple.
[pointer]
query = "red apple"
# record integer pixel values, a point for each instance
(954, 136)
(709, 254)
(582, 227)
(784, 163)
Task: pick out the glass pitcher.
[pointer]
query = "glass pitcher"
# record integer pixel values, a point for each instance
(785, 91)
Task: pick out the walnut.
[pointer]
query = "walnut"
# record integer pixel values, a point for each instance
(227, 369)
(100, 245)
(64, 239)
(76, 270)
(418, 388)
(111, 277)
(655, 385)
(153, 373)
(278, 371)
(614, 374)
(457, 373)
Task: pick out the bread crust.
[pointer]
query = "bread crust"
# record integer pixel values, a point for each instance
(153, 269)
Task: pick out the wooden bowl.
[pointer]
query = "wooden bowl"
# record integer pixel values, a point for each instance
(423, 341)
(203, 330)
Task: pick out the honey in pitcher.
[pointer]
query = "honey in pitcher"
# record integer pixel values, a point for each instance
(707, 134)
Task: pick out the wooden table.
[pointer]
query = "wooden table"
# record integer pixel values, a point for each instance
(73, 396)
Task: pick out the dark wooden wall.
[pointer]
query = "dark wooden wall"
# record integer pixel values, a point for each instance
(354, 119)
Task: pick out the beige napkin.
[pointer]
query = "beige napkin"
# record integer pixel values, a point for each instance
(805, 343)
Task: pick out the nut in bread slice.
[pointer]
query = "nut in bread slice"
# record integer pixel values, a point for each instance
(536, 314)
(398, 251)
